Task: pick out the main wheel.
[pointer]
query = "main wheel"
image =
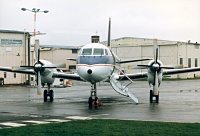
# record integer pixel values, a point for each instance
(51, 94)
(90, 101)
(157, 98)
(151, 96)
(45, 95)
(96, 101)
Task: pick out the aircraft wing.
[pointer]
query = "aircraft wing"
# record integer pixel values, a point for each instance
(129, 61)
(133, 76)
(179, 71)
(67, 76)
(166, 72)
(9, 69)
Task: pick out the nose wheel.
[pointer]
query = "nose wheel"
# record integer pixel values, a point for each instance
(93, 99)
(48, 93)
(151, 96)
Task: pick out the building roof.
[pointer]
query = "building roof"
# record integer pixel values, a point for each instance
(14, 31)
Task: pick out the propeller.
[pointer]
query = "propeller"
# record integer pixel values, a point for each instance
(109, 34)
(38, 67)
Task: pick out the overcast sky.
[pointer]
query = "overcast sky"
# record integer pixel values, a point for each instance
(72, 22)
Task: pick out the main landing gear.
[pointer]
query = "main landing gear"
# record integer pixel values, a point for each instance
(93, 99)
(152, 95)
(49, 93)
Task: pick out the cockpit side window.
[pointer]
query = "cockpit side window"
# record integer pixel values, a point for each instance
(108, 51)
(98, 51)
(87, 51)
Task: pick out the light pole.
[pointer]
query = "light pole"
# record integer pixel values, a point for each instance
(34, 10)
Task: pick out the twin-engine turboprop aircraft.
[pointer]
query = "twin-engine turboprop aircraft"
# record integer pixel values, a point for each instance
(43, 69)
(96, 63)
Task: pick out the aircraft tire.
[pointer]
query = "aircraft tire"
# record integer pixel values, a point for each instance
(90, 101)
(51, 95)
(151, 96)
(45, 95)
(157, 98)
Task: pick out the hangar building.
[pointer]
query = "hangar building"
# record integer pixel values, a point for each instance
(170, 53)
(15, 50)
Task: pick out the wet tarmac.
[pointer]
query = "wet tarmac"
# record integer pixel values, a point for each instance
(179, 102)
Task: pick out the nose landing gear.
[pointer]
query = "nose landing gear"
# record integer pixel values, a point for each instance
(93, 99)
(49, 93)
(152, 95)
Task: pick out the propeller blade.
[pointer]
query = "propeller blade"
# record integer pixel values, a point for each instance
(63, 65)
(137, 67)
(175, 66)
(109, 34)
(144, 66)
(155, 50)
(156, 60)
(39, 84)
(38, 57)
(15, 68)
(166, 67)
(155, 86)
(36, 50)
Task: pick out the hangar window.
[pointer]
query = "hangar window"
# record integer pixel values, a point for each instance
(15, 75)
(181, 61)
(196, 62)
(74, 51)
(4, 74)
(196, 46)
(189, 62)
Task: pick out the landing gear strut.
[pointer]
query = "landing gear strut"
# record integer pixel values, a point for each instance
(152, 95)
(49, 93)
(93, 99)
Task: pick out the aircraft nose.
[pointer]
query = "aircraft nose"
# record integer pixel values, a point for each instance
(89, 71)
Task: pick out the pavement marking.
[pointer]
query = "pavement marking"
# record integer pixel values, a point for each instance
(57, 120)
(78, 118)
(12, 124)
(36, 122)
(99, 115)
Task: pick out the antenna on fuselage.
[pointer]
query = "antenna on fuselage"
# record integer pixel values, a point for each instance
(109, 34)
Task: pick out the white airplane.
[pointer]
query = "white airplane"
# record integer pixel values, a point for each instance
(96, 63)
(43, 69)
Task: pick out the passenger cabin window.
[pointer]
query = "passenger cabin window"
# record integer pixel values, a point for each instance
(87, 51)
(98, 51)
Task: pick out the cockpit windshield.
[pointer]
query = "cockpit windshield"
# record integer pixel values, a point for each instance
(98, 51)
(95, 51)
(87, 51)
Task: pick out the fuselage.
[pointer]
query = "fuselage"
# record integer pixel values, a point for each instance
(95, 63)
(150, 74)
(46, 73)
